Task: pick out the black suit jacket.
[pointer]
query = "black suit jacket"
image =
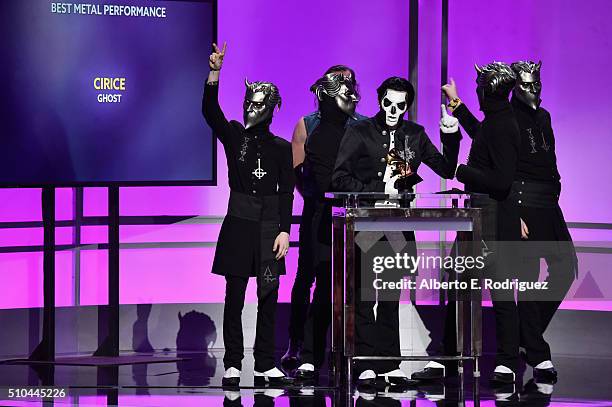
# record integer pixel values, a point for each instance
(361, 162)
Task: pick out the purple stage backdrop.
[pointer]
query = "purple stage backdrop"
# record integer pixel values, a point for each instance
(91, 96)
(292, 42)
(572, 39)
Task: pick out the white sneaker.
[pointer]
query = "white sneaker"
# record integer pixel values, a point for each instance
(544, 388)
(435, 365)
(394, 373)
(503, 374)
(503, 396)
(231, 372)
(365, 395)
(272, 393)
(272, 376)
(367, 375)
(502, 369)
(232, 395)
(307, 367)
(274, 372)
(547, 364)
(231, 377)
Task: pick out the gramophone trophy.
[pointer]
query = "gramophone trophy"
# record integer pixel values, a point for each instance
(400, 166)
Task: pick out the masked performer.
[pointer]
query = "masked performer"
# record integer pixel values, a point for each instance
(337, 100)
(490, 170)
(328, 113)
(254, 237)
(535, 191)
(362, 166)
(491, 164)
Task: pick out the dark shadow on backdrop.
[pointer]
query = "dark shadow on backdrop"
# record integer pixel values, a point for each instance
(197, 332)
(140, 330)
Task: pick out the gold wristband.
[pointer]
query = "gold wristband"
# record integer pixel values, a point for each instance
(454, 103)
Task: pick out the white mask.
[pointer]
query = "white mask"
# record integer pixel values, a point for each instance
(394, 105)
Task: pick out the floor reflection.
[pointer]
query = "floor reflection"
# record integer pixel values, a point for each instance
(532, 396)
(195, 380)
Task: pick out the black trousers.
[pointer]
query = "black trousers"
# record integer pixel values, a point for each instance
(267, 296)
(305, 275)
(443, 333)
(319, 318)
(522, 323)
(311, 324)
(444, 341)
(377, 334)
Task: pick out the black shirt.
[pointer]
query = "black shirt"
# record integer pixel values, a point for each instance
(493, 157)
(259, 163)
(537, 161)
(321, 150)
(362, 154)
(492, 165)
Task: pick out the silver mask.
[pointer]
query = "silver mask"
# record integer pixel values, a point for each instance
(494, 79)
(528, 86)
(259, 102)
(339, 87)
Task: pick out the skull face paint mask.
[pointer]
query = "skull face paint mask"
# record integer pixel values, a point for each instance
(528, 86)
(393, 103)
(259, 102)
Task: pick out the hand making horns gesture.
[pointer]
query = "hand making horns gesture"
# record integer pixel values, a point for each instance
(215, 61)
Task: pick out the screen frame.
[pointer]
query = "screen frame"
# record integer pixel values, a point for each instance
(205, 183)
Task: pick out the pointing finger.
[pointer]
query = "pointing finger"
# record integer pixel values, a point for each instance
(443, 110)
(224, 47)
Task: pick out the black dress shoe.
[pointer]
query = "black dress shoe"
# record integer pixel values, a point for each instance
(365, 384)
(545, 375)
(502, 378)
(263, 381)
(230, 381)
(537, 394)
(429, 373)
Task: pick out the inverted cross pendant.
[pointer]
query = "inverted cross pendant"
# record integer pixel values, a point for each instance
(259, 172)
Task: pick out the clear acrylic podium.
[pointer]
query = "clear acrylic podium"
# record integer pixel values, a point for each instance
(355, 212)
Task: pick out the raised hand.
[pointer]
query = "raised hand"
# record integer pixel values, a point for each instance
(448, 124)
(450, 90)
(215, 61)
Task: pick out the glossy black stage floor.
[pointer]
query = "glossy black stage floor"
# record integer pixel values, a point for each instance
(196, 381)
